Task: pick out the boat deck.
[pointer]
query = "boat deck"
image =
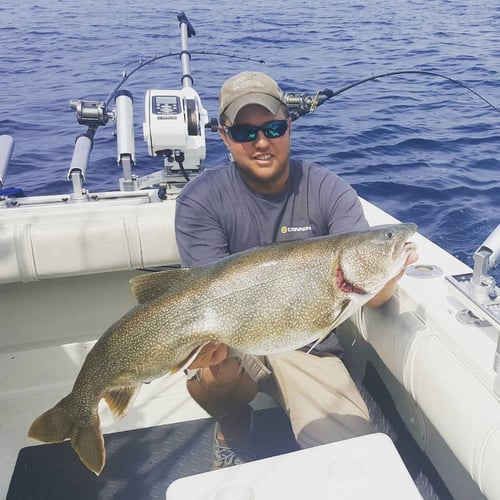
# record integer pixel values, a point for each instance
(145, 456)
(141, 463)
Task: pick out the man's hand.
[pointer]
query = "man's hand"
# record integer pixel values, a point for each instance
(388, 291)
(211, 354)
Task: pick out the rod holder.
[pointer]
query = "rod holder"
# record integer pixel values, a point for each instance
(125, 142)
(6, 150)
(80, 160)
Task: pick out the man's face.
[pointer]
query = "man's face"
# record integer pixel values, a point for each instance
(263, 162)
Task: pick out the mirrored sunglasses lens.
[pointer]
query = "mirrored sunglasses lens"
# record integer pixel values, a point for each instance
(275, 129)
(247, 133)
(243, 133)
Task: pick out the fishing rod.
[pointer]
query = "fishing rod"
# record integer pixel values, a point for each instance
(175, 120)
(95, 113)
(142, 63)
(166, 136)
(303, 103)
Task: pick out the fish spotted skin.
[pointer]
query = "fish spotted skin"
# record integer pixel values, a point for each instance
(262, 301)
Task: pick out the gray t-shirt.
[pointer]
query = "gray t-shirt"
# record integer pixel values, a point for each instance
(218, 215)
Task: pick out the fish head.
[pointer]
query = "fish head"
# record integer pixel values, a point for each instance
(369, 259)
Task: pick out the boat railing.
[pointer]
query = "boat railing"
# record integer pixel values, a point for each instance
(479, 292)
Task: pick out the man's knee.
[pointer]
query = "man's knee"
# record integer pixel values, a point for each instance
(222, 389)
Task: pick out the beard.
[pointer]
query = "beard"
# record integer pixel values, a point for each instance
(265, 177)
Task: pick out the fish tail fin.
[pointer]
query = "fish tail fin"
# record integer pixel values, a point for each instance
(53, 426)
(120, 400)
(88, 444)
(58, 424)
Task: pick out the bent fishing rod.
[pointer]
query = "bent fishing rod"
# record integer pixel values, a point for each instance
(303, 103)
(300, 103)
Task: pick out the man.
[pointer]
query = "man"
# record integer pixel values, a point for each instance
(262, 197)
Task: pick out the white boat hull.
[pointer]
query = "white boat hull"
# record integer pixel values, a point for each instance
(64, 280)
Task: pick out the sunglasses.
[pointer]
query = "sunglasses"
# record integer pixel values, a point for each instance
(248, 133)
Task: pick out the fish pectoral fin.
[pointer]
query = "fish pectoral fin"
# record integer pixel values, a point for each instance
(88, 443)
(148, 287)
(343, 314)
(120, 400)
(320, 339)
(185, 364)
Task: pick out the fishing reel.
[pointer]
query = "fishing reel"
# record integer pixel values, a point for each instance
(175, 121)
(90, 113)
(300, 103)
(173, 128)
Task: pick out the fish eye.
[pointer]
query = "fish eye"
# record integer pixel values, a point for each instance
(389, 235)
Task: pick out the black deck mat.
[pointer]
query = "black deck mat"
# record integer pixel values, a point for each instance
(140, 463)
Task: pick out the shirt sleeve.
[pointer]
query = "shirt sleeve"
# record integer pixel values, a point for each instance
(347, 214)
(201, 239)
(340, 206)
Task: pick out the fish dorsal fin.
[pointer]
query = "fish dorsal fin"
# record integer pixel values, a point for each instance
(148, 287)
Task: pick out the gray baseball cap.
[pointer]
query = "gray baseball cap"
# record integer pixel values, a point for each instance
(249, 87)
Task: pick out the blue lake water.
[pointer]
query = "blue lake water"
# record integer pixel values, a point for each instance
(420, 147)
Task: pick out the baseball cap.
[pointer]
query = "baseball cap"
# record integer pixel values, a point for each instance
(249, 87)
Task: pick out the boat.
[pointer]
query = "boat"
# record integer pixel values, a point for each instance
(428, 361)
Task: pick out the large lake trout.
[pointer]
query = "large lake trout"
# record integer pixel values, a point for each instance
(265, 300)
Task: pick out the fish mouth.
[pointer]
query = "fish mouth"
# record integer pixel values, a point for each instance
(401, 254)
(406, 250)
(409, 247)
(344, 285)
